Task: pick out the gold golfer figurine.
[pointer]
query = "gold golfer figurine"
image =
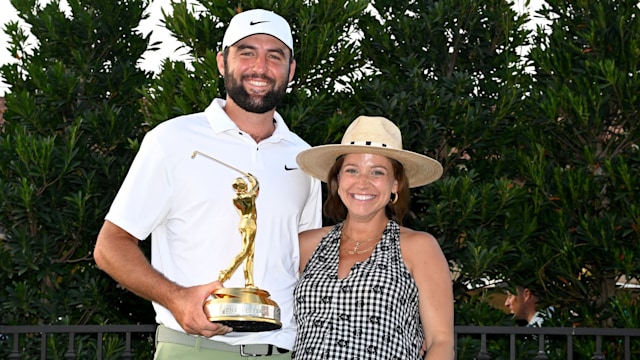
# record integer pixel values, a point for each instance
(249, 308)
(245, 202)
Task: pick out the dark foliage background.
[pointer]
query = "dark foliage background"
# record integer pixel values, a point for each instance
(537, 131)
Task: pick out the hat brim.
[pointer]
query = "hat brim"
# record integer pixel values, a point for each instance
(419, 169)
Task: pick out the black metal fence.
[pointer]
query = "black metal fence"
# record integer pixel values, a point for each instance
(472, 342)
(553, 342)
(17, 336)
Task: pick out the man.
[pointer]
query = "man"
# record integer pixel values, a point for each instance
(186, 203)
(524, 306)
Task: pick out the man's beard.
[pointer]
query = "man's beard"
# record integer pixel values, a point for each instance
(242, 98)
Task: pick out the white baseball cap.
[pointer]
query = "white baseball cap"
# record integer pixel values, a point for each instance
(257, 21)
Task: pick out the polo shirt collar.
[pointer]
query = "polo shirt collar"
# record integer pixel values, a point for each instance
(220, 122)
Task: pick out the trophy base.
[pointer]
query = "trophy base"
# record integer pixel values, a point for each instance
(243, 309)
(250, 326)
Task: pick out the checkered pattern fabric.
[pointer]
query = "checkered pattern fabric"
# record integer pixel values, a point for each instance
(370, 314)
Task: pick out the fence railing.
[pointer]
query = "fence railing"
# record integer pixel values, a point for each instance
(545, 340)
(627, 340)
(11, 335)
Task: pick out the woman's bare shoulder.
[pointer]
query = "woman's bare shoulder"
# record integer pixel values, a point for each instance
(415, 237)
(309, 240)
(418, 245)
(315, 233)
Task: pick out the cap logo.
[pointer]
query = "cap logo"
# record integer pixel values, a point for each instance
(251, 23)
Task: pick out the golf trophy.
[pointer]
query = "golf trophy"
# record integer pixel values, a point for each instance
(247, 309)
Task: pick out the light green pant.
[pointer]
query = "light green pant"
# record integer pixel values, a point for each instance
(167, 351)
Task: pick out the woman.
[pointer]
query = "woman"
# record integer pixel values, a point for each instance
(370, 288)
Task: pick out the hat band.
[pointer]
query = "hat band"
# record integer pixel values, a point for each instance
(368, 143)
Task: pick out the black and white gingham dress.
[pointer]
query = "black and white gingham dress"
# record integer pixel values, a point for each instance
(370, 314)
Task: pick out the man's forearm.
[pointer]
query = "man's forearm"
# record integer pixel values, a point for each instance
(117, 253)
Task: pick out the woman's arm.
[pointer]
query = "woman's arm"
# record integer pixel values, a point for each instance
(429, 268)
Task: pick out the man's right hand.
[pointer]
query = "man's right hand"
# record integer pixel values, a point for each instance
(187, 307)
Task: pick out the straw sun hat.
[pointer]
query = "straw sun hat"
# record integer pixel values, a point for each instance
(371, 135)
